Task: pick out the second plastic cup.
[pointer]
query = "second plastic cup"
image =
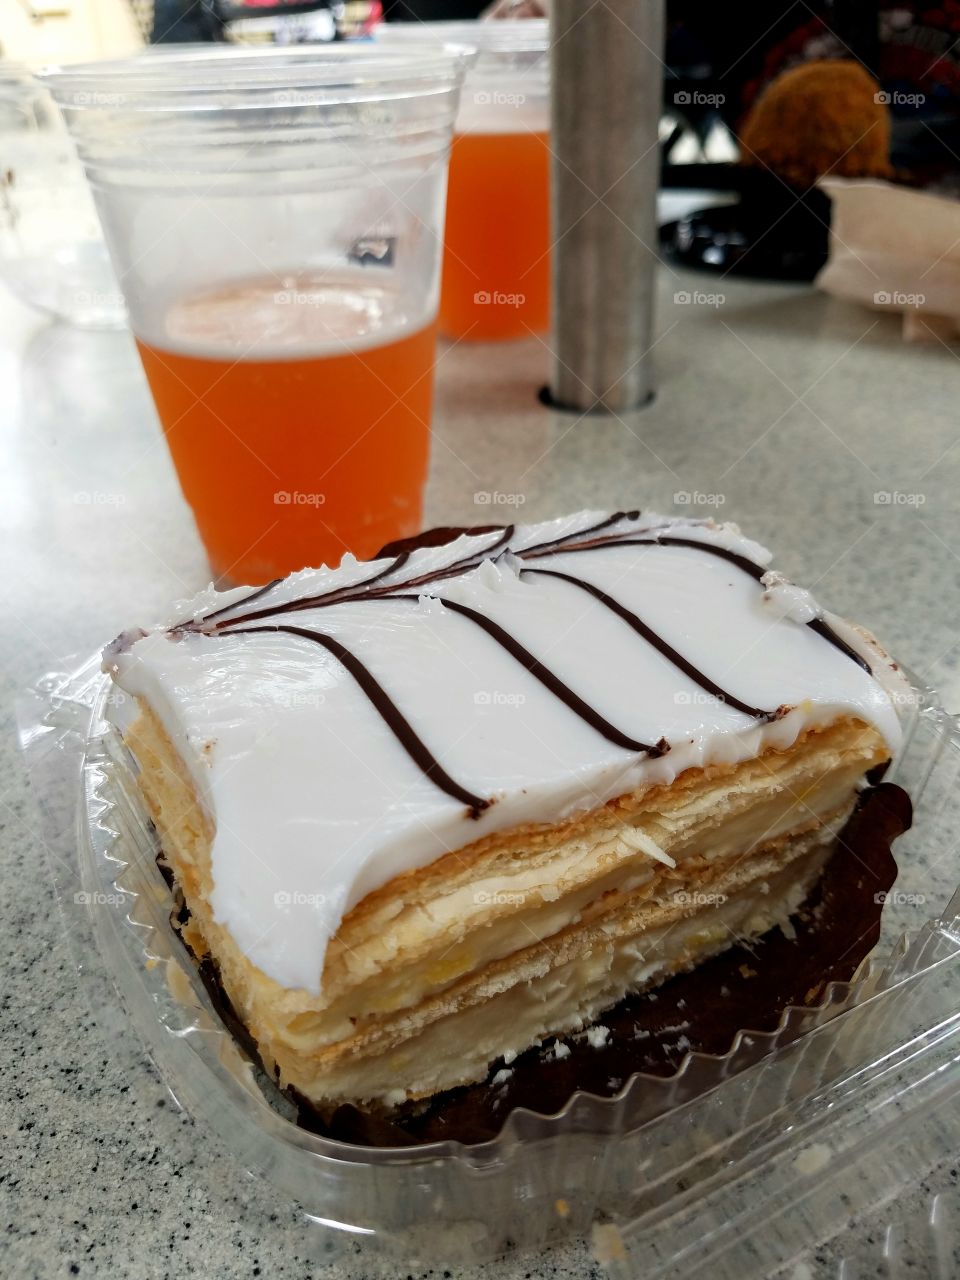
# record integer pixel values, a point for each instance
(275, 220)
(496, 262)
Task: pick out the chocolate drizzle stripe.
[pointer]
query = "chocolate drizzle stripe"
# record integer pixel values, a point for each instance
(823, 628)
(397, 563)
(367, 590)
(217, 613)
(657, 540)
(463, 565)
(553, 544)
(552, 682)
(657, 641)
(335, 596)
(391, 715)
(756, 571)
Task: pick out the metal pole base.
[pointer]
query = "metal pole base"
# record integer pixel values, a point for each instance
(607, 78)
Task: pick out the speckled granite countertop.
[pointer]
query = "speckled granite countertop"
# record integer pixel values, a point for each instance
(777, 407)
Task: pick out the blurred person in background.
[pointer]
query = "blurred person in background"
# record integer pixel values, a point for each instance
(431, 10)
(517, 9)
(185, 22)
(243, 21)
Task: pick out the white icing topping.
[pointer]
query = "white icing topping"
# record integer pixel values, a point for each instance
(785, 599)
(315, 801)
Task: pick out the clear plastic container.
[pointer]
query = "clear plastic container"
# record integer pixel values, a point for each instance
(731, 1167)
(496, 264)
(52, 253)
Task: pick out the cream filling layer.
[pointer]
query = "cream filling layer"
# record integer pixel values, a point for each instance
(550, 1000)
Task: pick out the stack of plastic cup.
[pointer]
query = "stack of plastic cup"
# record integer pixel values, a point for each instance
(275, 220)
(496, 262)
(52, 254)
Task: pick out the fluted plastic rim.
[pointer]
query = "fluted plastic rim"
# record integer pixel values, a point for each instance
(234, 77)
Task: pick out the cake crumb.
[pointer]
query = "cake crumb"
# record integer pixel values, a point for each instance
(562, 1208)
(747, 972)
(607, 1243)
(501, 1077)
(597, 1036)
(814, 1160)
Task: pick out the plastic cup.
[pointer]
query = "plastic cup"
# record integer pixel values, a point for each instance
(496, 261)
(52, 253)
(275, 219)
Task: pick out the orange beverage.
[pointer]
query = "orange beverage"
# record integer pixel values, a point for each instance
(300, 438)
(496, 258)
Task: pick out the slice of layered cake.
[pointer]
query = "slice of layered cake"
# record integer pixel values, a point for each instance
(427, 810)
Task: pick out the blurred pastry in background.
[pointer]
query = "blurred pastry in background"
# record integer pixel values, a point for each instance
(820, 117)
(828, 116)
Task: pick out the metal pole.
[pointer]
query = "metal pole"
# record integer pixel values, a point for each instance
(607, 83)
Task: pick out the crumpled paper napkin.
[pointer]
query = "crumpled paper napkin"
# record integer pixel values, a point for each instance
(895, 249)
